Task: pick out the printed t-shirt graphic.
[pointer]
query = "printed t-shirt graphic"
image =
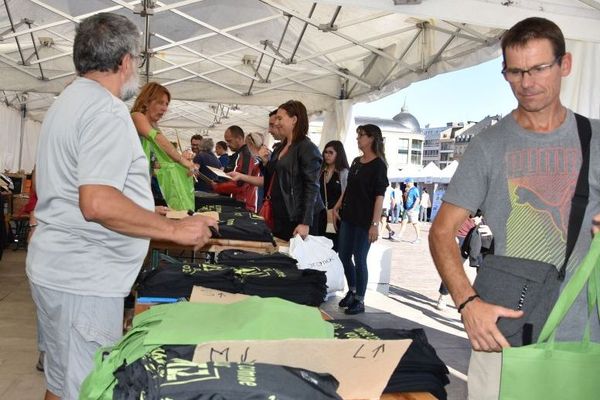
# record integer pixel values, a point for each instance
(541, 183)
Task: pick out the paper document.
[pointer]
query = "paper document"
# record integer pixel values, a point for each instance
(218, 172)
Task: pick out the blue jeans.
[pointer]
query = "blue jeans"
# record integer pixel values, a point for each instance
(396, 211)
(423, 214)
(354, 241)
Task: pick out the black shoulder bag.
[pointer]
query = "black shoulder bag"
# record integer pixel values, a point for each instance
(534, 286)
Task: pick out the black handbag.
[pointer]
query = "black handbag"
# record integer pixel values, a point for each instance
(529, 285)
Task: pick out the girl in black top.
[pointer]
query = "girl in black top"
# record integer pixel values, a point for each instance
(333, 180)
(360, 207)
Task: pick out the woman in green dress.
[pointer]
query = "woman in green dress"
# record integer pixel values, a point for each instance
(174, 174)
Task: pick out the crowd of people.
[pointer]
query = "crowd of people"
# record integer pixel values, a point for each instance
(96, 211)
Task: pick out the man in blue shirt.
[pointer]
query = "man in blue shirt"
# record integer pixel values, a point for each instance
(411, 209)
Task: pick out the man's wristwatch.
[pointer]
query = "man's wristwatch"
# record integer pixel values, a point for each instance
(375, 223)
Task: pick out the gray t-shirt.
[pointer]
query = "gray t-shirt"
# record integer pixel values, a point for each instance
(87, 138)
(524, 182)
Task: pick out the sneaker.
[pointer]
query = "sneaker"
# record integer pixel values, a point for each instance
(347, 300)
(356, 307)
(441, 303)
(40, 364)
(391, 237)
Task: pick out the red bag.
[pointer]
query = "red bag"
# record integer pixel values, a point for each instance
(266, 211)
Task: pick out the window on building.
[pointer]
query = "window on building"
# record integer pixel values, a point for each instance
(403, 151)
(447, 146)
(415, 157)
(417, 144)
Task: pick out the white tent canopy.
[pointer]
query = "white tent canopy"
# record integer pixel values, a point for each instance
(448, 172)
(411, 171)
(231, 61)
(431, 173)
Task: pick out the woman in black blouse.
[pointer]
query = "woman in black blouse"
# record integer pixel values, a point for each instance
(360, 210)
(333, 180)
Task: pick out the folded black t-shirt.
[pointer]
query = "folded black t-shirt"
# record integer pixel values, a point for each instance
(168, 373)
(420, 369)
(239, 258)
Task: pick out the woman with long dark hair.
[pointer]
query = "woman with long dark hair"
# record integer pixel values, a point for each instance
(360, 207)
(293, 173)
(333, 180)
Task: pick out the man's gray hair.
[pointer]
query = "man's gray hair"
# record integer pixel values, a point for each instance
(206, 144)
(101, 42)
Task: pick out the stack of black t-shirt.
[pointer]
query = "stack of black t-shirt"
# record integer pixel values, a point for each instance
(204, 199)
(306, 286)
(168, 373)
(419, 370)
(239, 224)
(237, 258)
(177, 279)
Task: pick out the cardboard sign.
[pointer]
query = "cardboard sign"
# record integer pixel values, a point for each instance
(181, 214)
(363, 367)
(205, 295)
(177, 214)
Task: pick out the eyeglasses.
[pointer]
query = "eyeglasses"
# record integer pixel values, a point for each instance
(139, 59)
(537, 71)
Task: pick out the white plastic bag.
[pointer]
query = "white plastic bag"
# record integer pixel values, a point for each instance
(315, 252)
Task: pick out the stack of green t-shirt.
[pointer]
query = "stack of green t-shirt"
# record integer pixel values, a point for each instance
(193, 323)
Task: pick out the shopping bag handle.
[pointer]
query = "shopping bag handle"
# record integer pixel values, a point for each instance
(574, 286)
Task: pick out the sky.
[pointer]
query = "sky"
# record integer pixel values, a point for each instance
(469, 94)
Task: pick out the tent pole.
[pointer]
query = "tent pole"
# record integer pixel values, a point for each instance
(147, 46)
(310, 14)
(12, 25)
(35, 51)
(23, 114)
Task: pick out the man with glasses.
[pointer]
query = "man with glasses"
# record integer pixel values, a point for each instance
(95, 210)
(522, 174)
(195, 143)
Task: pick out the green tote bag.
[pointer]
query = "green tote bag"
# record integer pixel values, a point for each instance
(552, 370)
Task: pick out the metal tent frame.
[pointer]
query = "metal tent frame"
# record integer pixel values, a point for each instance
(231, 61)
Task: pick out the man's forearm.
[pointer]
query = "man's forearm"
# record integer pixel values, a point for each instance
(446, 256)
(110, 208)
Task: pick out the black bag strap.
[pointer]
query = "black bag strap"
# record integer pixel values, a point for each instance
(582, 190)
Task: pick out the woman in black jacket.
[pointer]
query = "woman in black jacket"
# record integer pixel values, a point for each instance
(294, 172)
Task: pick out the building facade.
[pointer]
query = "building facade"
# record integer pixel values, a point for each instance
(462, 140)
(402, 135)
